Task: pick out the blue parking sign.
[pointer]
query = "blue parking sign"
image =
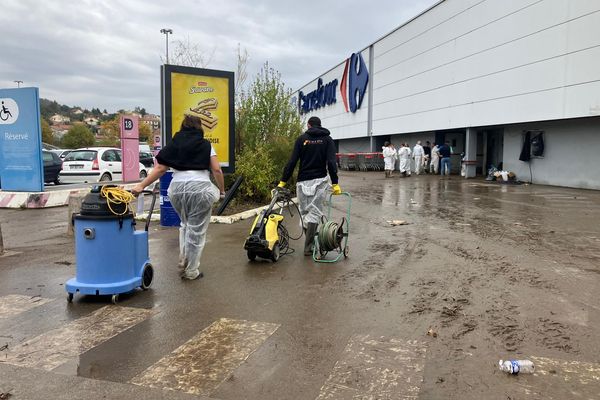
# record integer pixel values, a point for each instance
(21, 165)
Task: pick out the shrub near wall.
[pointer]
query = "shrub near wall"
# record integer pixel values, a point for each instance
(267, 124)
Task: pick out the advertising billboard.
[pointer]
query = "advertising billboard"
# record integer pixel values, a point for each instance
(207, 94)
(21, 165)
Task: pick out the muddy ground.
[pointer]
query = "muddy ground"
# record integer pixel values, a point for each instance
(492, 271)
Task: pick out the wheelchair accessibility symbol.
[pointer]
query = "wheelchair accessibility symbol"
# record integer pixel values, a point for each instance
(9, 111)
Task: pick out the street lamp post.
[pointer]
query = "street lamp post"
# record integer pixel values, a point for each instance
(166, 32)
(18, 83)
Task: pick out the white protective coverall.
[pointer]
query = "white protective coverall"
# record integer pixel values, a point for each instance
(311, 199)
(193, 201)
(418, 154)
(404, 154)
(435, 160)
(389, 157)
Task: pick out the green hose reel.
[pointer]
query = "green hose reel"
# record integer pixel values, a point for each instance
(332, 236)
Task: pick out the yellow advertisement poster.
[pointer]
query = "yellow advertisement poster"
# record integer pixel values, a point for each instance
(206, 97)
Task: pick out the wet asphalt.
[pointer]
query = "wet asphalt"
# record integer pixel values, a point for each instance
(496, 271)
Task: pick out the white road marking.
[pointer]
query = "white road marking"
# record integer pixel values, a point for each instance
(14, 304)
(569, 371)
(376, 368)
(201, 364)
(53, 348)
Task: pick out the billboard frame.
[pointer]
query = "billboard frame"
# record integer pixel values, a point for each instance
(167, 106)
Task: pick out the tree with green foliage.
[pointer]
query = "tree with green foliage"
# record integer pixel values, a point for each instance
(140, 110)
(48, 108)
(111, 133)
(47, 135)
(145, 132)
(267, 124)
(78, 136)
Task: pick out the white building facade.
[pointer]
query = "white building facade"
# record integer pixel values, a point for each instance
(483, 75)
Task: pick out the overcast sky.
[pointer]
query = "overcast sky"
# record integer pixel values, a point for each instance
(107, 54)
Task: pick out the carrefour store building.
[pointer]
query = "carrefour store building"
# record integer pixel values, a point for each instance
(485, 75)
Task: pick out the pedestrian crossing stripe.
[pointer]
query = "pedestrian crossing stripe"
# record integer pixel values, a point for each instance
(576, 371)
(58, 346)
(14, 304)
(201, 364)
(376, 368)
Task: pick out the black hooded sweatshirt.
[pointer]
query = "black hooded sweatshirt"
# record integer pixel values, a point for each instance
(316, 151)
(188, 150)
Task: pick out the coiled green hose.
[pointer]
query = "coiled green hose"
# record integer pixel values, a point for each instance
(330, 236)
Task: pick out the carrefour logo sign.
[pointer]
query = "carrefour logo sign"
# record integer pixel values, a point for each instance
(323, 96)
(353, 87)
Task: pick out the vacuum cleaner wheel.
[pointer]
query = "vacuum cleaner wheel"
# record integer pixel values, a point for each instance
(147, 276)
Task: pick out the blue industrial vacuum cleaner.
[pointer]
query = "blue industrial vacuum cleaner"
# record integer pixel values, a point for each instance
(111, 255)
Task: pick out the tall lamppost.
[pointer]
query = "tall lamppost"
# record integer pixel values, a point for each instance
(18, 83)
(166, 32)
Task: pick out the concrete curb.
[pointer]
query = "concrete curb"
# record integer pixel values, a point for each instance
(37, 199)
(54, 198)
(229, 219)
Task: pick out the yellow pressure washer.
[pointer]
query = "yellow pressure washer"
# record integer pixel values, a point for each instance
(268, 236)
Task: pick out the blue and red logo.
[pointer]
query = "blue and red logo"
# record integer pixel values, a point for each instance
(354, 82)
(352, 89)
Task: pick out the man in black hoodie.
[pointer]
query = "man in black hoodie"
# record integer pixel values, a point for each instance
(316, 151)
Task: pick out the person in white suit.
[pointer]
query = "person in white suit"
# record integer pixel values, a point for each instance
(404, 155)
(389, 158)
(435, 159)
(418, 154)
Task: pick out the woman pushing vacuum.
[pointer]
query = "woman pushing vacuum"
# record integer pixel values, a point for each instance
(191, 191)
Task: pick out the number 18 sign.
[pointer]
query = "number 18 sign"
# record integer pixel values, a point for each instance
(130, 148)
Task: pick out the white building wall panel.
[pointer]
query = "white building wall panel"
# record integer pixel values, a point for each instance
(570, 147)
(583, 94)
(455, 38)
(472, 63)
(424, 26)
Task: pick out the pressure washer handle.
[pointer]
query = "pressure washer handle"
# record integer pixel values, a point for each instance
(153, 193)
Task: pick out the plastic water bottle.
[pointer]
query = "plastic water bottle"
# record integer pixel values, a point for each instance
(517, 366)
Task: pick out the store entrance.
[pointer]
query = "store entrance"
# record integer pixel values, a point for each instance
(456, 140)
(494, 149)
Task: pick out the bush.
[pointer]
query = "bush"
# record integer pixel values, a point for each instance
(267, 125)
(258, 170)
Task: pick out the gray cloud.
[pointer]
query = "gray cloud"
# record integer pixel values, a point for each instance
(107, 53)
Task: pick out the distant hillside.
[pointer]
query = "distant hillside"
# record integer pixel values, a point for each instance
(50, 107)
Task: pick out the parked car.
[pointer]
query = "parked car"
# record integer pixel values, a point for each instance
(94, 164)
(61, 153)
(52, 167)
(147, 159)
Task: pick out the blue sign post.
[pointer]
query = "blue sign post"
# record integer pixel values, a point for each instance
(21, 165)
